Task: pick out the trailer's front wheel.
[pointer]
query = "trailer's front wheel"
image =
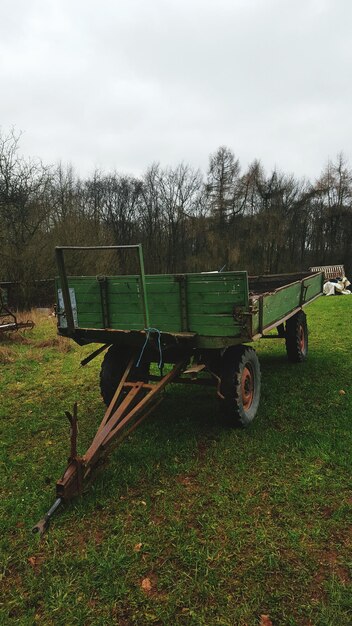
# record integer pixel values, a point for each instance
(112, 369)
(240, 385)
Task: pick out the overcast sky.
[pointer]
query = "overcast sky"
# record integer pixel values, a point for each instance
(118, 84)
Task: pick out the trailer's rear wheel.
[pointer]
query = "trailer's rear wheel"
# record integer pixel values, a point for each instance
(112, 369)
(240, 385)
(297, 337)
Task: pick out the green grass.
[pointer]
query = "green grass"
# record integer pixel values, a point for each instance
(233, 524)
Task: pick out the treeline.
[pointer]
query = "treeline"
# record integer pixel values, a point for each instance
(186, 220)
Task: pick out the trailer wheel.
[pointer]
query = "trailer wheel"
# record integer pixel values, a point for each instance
(112, 369)
(240, 385)
(297, 337)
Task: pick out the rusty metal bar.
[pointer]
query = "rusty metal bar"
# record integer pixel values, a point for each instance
(59, 250)
(8, 327)
(143, 285)
(9, 320)
(104, 300)
(116, 395)
(117, 419)
(92, 356)
(114, 422)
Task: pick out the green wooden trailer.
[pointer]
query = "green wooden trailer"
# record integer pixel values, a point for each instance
(204, 318)
(199, 323)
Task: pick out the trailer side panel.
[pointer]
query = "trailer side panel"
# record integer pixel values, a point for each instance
(196, 303)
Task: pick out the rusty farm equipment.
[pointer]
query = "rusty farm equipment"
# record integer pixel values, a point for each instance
(8, 320)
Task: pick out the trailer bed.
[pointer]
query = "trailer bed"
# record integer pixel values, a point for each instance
(209, 309)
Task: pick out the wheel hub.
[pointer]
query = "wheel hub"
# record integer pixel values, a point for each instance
(247, 387)
(302, 339)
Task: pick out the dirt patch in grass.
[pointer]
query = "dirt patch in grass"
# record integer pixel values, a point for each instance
(59, 343)
(87, 532)
(189, 482)
(15, 337)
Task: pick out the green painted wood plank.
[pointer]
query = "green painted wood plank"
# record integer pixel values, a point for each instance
(90, 322)
(126, 288)
(151, 289)
(136, 318)
(215, 331)
(135, 307)
(280, 303)
(315, 285)
(94, 309)
(204, 299)
(124, 299)
(211, 320)
(218, 288)
(207, 308)
(127, 326)
(126, 304)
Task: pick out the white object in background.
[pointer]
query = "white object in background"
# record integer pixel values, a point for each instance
(331, 288)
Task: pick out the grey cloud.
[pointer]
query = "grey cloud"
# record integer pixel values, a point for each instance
(119, 84)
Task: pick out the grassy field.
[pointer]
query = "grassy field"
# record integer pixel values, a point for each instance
(189, 523)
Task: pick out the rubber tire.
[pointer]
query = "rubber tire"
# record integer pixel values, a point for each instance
(112, 369)
(235, 360)
(296, 325)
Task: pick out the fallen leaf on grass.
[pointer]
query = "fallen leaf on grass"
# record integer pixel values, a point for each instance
(146, 584)
(35, 562)
(137, 547)
(265, 621)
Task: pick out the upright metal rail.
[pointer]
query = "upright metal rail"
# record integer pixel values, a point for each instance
(59, 251)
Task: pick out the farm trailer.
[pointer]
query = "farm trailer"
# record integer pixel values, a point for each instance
(199, 323)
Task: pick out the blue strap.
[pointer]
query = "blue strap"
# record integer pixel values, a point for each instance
(148, 331)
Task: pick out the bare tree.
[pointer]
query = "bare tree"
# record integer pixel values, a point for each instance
(223, 185)
(24, 208)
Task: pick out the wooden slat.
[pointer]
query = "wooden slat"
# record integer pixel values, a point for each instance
(210, 302)
(278, 304)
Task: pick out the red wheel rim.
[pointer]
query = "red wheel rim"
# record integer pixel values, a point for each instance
(247, 387)
(302, 339)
